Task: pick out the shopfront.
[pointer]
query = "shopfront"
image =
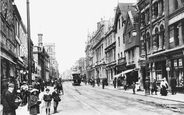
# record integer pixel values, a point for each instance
(177, 70)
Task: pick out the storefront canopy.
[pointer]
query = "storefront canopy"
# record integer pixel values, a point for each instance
(117, 75)
(127, 71)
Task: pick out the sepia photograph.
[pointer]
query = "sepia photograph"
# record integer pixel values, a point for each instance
(92, 57)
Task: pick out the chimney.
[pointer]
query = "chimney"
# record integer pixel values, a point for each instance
(40, 42)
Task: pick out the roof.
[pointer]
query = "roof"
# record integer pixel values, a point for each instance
(122, 9)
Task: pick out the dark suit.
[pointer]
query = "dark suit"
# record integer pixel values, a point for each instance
(9, 105)
(173, 85)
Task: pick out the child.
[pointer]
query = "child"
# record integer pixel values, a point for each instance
(42, 102)
(56, 98)
(47, 98)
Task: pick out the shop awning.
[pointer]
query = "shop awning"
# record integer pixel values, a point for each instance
(117, 75)
(4, 55)
(127, 71)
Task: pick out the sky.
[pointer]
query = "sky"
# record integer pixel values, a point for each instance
(66, 23)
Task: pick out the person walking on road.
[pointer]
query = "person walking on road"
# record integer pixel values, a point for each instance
(57, 99)
(47, 98)
(115, 82)
(173, 85)
(9, 101)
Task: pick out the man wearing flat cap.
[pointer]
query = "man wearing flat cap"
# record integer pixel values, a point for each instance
(9, 105)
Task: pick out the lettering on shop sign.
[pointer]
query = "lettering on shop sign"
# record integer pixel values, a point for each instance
(176, 56)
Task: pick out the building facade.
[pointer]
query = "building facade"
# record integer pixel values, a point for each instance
(8, 52)
(175, 41)
(98, 50)
(119, 25)
(110, 52)
(131, 36)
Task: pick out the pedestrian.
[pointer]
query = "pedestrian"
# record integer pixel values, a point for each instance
(154, 87)
(61, 87)
(119, 81)
(114, 82)
(98, 81)
(33, 102)
(47, 98)
(41, 94)
(57, 99)
(173, 85)
(133, 86)
(164, 87)
(10, 103)
(24, 93)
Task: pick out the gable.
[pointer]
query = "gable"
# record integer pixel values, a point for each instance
(128, 25)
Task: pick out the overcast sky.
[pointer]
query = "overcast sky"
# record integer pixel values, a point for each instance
(66, 23)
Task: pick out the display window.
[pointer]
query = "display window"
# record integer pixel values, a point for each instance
(178, 72)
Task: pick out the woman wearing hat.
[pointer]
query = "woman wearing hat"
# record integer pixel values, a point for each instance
(33, 102)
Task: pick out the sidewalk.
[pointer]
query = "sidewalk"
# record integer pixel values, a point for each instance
(22, 110)
(179, 97)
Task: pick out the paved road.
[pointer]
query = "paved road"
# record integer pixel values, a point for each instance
(86, 100)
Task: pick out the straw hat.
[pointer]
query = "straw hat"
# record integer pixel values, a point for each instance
(34, 90)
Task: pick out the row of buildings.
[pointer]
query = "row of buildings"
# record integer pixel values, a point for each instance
(144, 41)
(14, 50)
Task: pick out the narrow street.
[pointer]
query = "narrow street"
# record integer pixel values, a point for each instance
(89, 100)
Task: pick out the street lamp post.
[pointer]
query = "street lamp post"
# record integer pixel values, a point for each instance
(29, 44)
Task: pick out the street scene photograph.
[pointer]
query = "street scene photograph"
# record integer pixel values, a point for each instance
(92, 57)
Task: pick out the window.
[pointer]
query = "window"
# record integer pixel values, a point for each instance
(129, 37)
(156, 9)
(162, 35)
(157, 37)
(149, 41)
(129, 56)
(118, 41)
(119, 23)
(121, 55)
(118, 56)
(176, 35)
(176, 4)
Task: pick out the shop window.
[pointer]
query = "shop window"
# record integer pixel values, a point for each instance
(178, 72)
(158, 71)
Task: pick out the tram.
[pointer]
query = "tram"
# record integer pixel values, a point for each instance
(76, 78)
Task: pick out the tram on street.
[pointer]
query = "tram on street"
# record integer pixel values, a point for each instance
(76, 78)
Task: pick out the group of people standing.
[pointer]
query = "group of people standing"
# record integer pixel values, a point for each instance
(35, 97)
(164, 86)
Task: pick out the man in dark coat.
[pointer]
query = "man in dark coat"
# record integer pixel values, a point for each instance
(173, 85)
(9, 104)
